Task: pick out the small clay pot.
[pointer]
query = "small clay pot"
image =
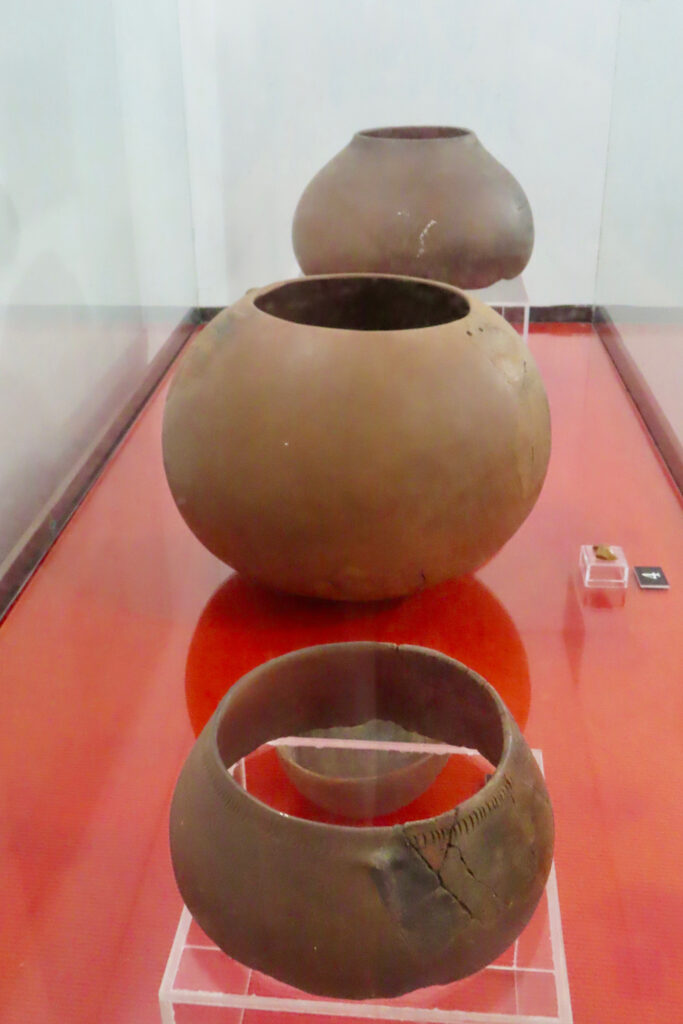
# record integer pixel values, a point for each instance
(423, 201)
(353, 912)
(361, 783)
(356, 437)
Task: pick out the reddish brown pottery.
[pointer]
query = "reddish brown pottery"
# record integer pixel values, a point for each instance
(422, 201)
(356, 437)
(362, 912)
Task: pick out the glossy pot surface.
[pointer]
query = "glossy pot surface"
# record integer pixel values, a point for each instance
(423, 201)
(356, 437)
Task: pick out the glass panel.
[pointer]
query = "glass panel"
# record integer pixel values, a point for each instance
(130, 633)
(640, 267)
(96, 253)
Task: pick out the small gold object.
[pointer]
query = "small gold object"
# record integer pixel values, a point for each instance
(604, 552)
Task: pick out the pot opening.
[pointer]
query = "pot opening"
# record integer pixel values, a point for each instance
(341, 762)
(426, 131)
(364, 303)
(351, 684)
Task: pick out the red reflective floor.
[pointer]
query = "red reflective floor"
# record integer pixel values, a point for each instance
(129, 632)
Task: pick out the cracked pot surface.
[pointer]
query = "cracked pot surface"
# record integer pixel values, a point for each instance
(356, 437)
(427, 201)
(362, 912)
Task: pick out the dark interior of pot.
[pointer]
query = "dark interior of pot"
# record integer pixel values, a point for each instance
(349, 684)
(418, 131)
(364, 303)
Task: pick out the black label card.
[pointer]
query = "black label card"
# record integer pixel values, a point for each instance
(651, 577)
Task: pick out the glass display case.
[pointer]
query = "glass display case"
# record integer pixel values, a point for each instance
(639, 291)
(153, 162)
(97, 269)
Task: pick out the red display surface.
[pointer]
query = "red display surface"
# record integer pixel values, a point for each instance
(129, 632)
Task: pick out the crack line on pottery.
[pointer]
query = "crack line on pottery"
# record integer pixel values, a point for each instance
(454, 846)
(442, 885)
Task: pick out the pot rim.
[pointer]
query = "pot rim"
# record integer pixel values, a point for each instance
(304, 828)
(416, 133)
(254, 295)
(406, 767)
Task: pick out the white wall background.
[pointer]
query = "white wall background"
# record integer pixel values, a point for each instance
(641, 246)
(641, 252)
(274, 88)
(95, 229)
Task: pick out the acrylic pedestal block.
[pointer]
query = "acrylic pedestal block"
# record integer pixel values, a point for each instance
(528, 984)
(603, 573)
(510, 299)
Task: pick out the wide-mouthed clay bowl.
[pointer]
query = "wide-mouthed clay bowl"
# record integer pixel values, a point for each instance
(362, 912)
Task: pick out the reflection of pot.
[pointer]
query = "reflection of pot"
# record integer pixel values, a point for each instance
(356, 437)
(422, 201)
(353, 912)
(243, 624)
(361, 783)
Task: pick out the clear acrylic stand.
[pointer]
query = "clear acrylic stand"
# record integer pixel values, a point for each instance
(603, 573)
(510, 299)
(528, 984)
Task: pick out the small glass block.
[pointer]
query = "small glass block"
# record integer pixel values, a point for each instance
(602, 572)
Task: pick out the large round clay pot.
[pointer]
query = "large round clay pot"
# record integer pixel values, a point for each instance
(356, 437)
(353, 912)
(422, 201)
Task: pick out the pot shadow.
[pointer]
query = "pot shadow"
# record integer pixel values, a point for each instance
(244, 625)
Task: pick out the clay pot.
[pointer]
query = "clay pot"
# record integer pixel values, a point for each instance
(360, 783)
(421, 201)
(356, 436)
(351, 912)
